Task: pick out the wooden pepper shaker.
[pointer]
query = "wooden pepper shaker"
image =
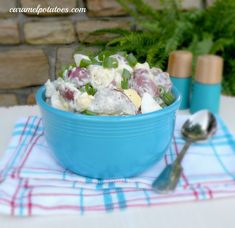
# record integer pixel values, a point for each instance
(207, 85)
(180, 71)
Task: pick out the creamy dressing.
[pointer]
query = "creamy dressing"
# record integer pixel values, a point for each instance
(101, 77)
(104, 85)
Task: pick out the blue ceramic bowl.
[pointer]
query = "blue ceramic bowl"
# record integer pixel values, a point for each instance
(108, 146)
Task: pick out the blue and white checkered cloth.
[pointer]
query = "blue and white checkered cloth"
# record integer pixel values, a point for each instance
(33, 183)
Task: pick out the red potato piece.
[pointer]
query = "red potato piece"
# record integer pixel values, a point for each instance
(67, 94)
(68, 91)
(142, 83)
(79, 76)
(162, 79)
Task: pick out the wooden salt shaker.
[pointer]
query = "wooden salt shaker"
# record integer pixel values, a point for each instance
(207, 86)
(180, 71)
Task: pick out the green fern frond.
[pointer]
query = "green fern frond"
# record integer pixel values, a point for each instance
(126, 6)
(203, 46)
(134, 40)
(155, 56)
(220, 18)
(221, 44)
(150, 26)
(159, 32)
(144, 9)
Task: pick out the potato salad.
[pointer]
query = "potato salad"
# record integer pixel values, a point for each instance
(110, 85)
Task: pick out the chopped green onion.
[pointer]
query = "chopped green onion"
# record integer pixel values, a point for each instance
(126, 74)
(163, 105)
(61, 74)
(123, 53)
(168, 98)
(72, 65)
(85, 62)
(89, 113)
(124, 84)
(104, 55)
(131, 60)
(101, 56)
(90, 89)
(64, 68)
(82, 89)
(161, 89)
(110, 62)
(95, 61)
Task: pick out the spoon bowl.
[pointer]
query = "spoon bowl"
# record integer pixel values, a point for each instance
(199, 126)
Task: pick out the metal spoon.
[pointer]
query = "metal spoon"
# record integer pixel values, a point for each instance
(200, 126)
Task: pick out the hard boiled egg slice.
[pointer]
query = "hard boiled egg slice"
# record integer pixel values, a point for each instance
(83, 101)
(134, 97)
(148, 104)
(58, 102)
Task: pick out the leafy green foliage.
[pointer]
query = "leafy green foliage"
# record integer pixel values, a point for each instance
(202, 31)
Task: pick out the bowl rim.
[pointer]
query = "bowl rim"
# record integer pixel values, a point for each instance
(77, 116)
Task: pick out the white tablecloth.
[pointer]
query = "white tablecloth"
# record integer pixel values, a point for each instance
(217, 213)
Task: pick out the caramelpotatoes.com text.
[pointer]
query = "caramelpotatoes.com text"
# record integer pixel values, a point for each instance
(40, 10)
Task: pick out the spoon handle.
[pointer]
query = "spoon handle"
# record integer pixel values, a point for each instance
(169, 177)
(182, 153)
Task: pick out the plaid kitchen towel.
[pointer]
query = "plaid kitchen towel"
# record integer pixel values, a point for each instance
(33, 183)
